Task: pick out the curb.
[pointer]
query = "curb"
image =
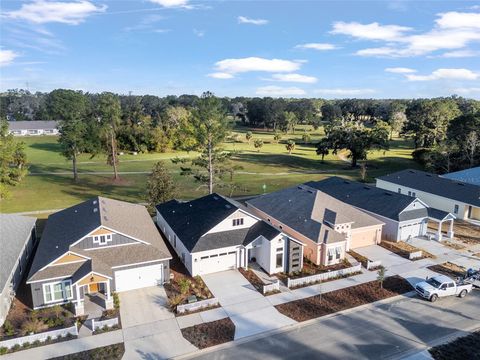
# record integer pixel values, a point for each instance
(298, 325)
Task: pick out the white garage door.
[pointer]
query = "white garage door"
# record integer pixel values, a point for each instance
(217, 262)
(410, 230)
(137, 278)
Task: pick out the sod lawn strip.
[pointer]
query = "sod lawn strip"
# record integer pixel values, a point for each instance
(211, 333)
(463, 348)
(334, 301)
(110, 352)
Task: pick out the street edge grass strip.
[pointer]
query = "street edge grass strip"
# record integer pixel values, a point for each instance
(210, 334)
(343, 299)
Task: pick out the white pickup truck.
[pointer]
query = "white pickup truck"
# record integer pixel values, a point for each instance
(441, 286)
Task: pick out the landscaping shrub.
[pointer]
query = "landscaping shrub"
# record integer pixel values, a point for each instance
(175, 301)
(3, 350)
(8, 328)
(26, 345)
(184, 285)
(116, 301)
(33, 326)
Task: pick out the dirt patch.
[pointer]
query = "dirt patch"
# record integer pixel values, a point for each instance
(252, 278)
(459, 349)
(113, 352)
(360, 258)
(404, 250)
(463, 231)
(453, 245)
(449, 269)
(477, 254)
(320, 305)
(211, 333)
(309, 268)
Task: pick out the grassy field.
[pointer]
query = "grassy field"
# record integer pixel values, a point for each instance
(49, 184)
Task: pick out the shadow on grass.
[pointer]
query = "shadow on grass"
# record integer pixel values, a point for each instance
(46, 146)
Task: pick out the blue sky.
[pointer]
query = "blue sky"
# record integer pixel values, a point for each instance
(328, 49)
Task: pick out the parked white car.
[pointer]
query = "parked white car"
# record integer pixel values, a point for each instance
(442, 286)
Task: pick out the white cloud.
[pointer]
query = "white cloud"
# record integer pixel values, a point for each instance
(345, 92)
(466, 91)
(454, 19)
(246, 20)
(171, 3)
(279, 91)
(316, 46)
(379, 51)
(199, 33)
(40, 11)
(447, 74)
(7, 57)
(242, 65)
(373, 31)
(460, 54)
(298, 78)
(220, 75)
(400, 70)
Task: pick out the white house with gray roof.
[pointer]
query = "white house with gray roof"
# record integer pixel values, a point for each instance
(33, 128)
(94, 248)
(17, 243)
(213, 233)
(457, 197)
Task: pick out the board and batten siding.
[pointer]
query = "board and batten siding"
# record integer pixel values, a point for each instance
(117, 239)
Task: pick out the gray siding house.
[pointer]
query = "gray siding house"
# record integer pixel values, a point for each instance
(93, 249)
(17, 241)
(33, 128)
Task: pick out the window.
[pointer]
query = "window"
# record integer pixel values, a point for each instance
(455, 209)
(204, 257)
(237, 222)
(330, 254)
(279, 250)
(339, 252)
(223, 254)
(59, 291)
(183, 257)
(232, 252)
(399, 190)
(102, 239)
(409, 193)
(279, 261)
(414, 194)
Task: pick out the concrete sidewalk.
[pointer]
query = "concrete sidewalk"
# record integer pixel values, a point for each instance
(67, 347)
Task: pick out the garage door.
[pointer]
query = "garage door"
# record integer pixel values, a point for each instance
(137, 278)
(409, 231)
(363, 238)
(217, 262)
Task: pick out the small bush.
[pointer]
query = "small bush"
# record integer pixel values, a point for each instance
(175, 301)
(26, 345)
(3, 350)
(16, 347)
(36, 343)
(116, 301)
(184, 285)
(8, 328)
(33, 326)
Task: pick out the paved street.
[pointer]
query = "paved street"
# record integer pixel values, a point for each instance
(388, 331)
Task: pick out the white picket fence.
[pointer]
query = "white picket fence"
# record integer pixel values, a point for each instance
(197, 305)
(373, 264)
(42, 337)
(415, 255)
(99, 324)
(274, 286)
(324, 276)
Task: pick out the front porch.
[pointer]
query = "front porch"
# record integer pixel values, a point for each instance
(93, 294)
(440, 218)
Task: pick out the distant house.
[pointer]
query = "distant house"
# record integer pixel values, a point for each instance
(17, 241)
(469, 176)
(457, 197)
(33, 128)
(213, 233)
(327, 227)
(404, 216)
(94, 248)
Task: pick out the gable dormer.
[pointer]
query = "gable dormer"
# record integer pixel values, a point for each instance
(103, 237)
(68, 258)
(238, 220)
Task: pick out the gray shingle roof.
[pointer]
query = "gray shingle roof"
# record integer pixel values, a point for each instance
(15, 230)
(437, 214)
(311, 212)
(370, 198)
(65, 227)
(435, 184)
(33, 125)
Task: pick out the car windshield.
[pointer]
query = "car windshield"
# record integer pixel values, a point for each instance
(434, 282)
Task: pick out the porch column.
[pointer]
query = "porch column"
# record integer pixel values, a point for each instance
(108, 298)
(79, 308)
(450, 230)
(439, 231)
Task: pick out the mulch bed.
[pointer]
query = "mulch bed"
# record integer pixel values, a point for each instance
(113, 352)
(403, 249)
(448, 269)
(309, 268)
(463, 231)
(211, 333)
(252, 278)
(463, 348)
(331, 302)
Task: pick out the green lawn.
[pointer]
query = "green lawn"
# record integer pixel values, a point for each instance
(49, 184)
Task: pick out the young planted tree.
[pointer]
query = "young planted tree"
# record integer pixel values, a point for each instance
(248, 136)
(277, 137)
(381, 274)
(290, 146)
(109, 114)
(71, 108)
(209, 129)
(258, 143)
(12, 160)
(160, 186)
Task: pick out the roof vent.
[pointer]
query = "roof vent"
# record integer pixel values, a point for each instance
(94, 202)
(228, 206)
(95, 210)
(346, 182)
(461, 184)
(366, 188)
(310, 191)
(75, 211)
(429, 175)
(388, 194)
(215, 197)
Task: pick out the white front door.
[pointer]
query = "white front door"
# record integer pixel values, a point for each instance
(140, 277)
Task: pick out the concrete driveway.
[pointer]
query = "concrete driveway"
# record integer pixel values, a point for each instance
(388, 258)
(150, 331)
(249, 310)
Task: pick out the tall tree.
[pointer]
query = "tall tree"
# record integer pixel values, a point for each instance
(70, 108)
(109, 114)
(12, 160)
(210, 127)
(160, 186)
